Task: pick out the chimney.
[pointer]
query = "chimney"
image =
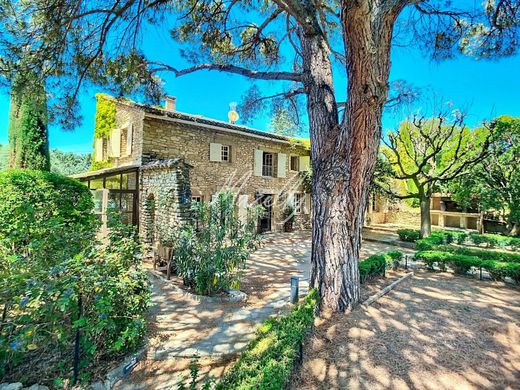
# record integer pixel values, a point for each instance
(169, 103)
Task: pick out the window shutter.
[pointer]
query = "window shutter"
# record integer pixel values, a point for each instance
(307, 204)
(115, 143)
(129, 138)
(98, 149)
(305, 163)
(282, 165)
(215, 151)
(243, 202)
(259, 160)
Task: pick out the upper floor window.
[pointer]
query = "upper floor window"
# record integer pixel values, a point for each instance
(295, 163)
(224, 153)
(267, 164)
(197, 199)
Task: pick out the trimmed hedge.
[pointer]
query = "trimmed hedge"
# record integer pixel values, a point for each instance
(270, 358)
(373, 266)
(448, 237)
(409, 235)
(461, 264)
(481, 253)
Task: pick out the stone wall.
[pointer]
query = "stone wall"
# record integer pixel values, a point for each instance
(166, 139)
(126, 115)
(168, 184)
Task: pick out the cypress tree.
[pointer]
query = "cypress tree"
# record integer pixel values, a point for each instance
(28, 134)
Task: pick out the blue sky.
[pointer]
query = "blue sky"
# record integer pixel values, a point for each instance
(483, 89)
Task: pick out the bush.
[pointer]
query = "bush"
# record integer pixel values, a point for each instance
(461, 238)
(270, 358)
(56, 279)
(409, 235)
(394, 257)
(461, 264)
(494, 240)
(45, 217)
(210, 254)
(483, 254)
(373, 266)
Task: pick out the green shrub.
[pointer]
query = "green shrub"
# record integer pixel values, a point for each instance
(48, 260)
(461, 264)
(477, 238)
(270, 358)
(44, 217)
(461, 238)
(483, 254)
(409, 235)
(424, 244)
(373, 266)
(394, 257)
(495, 240)
(211, 253)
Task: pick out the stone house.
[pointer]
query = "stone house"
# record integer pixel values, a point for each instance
(155, 161)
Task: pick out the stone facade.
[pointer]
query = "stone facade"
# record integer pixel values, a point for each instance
(160, 135)
(165, 196)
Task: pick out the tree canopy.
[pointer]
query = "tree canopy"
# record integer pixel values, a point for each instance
(428, 153)
(494, 183)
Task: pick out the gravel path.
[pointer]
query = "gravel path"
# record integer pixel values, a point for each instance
(436, 331)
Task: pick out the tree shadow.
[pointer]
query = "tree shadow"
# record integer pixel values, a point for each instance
(437, 331)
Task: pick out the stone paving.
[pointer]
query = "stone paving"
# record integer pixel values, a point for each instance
(186, 328)
(216, 332)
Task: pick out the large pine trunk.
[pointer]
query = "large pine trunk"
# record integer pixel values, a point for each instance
(344, 152)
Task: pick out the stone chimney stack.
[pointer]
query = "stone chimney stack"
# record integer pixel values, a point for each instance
(169, 103)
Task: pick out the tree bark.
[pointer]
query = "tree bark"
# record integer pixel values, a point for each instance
(426, 223)
(344, 154)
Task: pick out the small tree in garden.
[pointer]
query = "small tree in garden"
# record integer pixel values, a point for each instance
(494, 183)
(211, 253)
(427, 153)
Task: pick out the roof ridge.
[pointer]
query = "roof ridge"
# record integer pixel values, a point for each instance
(201, 119)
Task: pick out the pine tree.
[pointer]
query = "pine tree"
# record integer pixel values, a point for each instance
(28, 134)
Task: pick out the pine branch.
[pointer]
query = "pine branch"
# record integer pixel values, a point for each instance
(252, 74)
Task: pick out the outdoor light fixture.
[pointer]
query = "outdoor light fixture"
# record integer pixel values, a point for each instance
(232, 114)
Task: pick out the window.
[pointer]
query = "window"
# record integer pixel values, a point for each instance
(197, 199)
(298, 203)
(267, 164)
(224, 153)
(295, 163)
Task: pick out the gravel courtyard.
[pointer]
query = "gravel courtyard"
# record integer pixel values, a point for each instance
(435, 331)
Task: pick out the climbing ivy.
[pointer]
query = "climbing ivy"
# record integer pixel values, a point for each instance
(28, 135)
(105, 116)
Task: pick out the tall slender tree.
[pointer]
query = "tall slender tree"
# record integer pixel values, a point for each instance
(318, 39)
(28, 134)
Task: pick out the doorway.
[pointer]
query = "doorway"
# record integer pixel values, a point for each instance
(265, 218)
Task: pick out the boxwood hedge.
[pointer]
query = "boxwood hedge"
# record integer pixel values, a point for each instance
(461, 264)
(270, 358)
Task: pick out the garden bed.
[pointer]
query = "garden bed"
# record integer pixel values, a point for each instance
(177, 285)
